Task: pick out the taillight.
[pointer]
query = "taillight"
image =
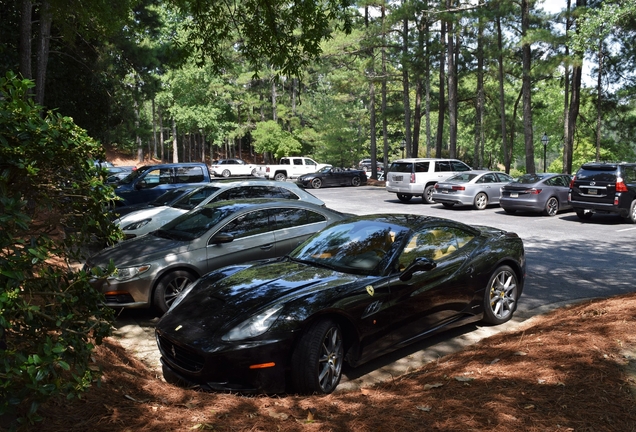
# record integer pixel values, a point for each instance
(458, 187)
(534, 191)
(412, 177)
(620, 185)
(436, 186)
(266, 169)
(572, 182)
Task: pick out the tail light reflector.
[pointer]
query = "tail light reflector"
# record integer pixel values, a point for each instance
(620, 185)
(412, 177)
(459, 188)
(534, 191)
(572, 182)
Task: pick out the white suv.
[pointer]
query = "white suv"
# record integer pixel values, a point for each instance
(417, 176)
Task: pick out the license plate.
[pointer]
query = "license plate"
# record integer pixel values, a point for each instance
(444, 191)
(397, 178)
(514, 195)
(592, 191)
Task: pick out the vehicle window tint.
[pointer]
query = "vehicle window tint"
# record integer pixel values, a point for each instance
(249, 224)
(189, 174)
(442, 166)
(285, 194)
(421, 167)
(298, 162)
(309, 162)
(288, 218)
(629, 174)
(504, 177)
(598, 175)
(434, 243)
(195, 198)
(158, 176)
(404, 167)
(487, 178)
(459, 166)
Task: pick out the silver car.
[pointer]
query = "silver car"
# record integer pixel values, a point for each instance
(471, 188)
(545, 193)
(153, 269)
(154, 217)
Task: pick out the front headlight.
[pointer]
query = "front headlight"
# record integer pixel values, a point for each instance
(136, 225)
(255, 326)
(130, 272)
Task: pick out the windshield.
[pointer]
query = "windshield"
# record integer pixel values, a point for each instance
(167, 198)
(195, 197)
(363, 247)
(133, 175)
(324, 169)
(195, 223)
(530, 178)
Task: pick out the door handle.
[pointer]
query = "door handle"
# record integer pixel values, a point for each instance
(267, 246)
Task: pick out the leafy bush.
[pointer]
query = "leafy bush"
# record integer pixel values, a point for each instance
(51, 206)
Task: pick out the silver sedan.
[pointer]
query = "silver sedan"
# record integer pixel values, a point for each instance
(471, 188)
(151, 270)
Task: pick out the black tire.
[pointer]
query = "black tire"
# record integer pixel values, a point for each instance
(631, 216)
(500, 296)
(427, 196)
(317, 359)
(551, 207)
(404, 197)
(280, 177)
(225, 173)
(481, 201)
(355, 181)
(510, 211)
(316, 183)
(169, 288)
(448, 205)
(584, 214)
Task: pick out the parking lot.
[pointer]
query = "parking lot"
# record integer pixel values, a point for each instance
(568, 260)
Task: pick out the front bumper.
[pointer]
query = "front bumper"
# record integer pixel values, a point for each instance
(133, 293)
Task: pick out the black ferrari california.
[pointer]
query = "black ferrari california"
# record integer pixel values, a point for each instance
(330, 176)
(356, 290)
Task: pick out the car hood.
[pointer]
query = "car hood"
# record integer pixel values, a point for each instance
(219, 306)
(139, 250)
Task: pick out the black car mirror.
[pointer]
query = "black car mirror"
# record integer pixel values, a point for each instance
(141, 184)
(222, 238)
(418, 264)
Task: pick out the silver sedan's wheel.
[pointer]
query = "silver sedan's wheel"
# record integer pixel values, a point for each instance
(225, 173)
(427, 196)
(500, 298)
(169, 288)
(551, 207)
(481, 201)
(355, 181)
(318, 357)
(316, 183)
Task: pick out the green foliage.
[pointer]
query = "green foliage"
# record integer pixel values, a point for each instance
(270, 137)
(51, 206)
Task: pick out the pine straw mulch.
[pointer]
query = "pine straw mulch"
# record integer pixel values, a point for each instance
(568, 371)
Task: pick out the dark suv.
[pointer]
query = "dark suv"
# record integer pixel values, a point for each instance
(604, 188)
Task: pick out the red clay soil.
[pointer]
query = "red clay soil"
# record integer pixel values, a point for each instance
(569, 371)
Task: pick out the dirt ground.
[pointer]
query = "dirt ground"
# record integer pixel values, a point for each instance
(571, 370)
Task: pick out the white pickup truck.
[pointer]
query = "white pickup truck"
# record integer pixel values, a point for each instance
(292, 167)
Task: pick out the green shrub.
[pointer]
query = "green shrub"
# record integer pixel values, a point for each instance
(51, 206)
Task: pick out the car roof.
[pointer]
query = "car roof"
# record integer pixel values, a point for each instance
(269, 203)
(425, 159)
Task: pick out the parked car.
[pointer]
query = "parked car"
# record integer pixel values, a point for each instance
(147, 220)
(472, 188)
(147, 183)
(417, 176)
(153, 269)
(166, 199)
(366, 165)
(358, 289)
(604, 188)
(291, 167)
(233, 167)
(330, 176)
(545, 193)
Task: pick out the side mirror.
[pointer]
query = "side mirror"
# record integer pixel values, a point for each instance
(221, 238)
(141, 184)
(418, 264)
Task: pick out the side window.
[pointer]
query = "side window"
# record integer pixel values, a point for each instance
(421, 167)
(487, 178)
(289, 218)
(442, 166)
(189, 174)
(285, 194)
(459, 166)
(157, 176)
(223, 196)
(309, 162)
(249, 224)
(435, 244)
(298, 161)
(504, 177)
(629, 174)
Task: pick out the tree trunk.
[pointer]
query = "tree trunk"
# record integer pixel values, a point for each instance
(154, 129)
(274, 97)
(575, 99)
(43, 50)
(427, 83)
(527, 88)
(140, 149)
(479, 102)
(452, 87)
(502, 99)
(405, 87)
(599, 98)
(175, 150)
(385, 141)
(161, 134)
(442, 102)
(26, 27)
(567, 149)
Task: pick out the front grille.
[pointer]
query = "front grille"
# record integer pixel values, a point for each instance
(183, 357)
